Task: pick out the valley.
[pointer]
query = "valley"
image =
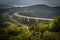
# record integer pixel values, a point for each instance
(36, 22)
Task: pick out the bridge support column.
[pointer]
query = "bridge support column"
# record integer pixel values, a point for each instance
(24, 18)
(20, 17)
(36, 20)
(28, 19)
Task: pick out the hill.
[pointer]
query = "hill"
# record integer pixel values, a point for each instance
(44, 11)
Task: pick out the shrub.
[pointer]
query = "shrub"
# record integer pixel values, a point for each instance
(55, 24)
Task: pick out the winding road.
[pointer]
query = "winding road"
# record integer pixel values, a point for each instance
(36, 18)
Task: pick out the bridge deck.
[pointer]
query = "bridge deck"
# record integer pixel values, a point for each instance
(16, 14)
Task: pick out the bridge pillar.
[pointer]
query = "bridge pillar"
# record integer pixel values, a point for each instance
(36, 20)
(20, 17)
(28, 19)
(24, 18)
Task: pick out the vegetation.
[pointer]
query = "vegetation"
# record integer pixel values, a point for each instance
(38, 31)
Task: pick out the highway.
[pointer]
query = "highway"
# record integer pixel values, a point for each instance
(16, 14)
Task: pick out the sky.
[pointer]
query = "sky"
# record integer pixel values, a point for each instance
(31, 2)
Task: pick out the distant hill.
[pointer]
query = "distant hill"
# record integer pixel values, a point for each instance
(36, 10)
(4, 6)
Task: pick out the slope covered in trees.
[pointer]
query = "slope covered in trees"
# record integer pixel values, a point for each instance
(37, 31)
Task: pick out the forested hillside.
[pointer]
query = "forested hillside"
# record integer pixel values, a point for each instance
(37, 31)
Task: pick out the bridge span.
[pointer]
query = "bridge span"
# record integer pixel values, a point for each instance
(35, 18)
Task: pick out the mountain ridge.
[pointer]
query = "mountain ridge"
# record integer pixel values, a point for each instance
(36, 10)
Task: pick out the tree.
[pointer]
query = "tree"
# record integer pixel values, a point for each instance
(55, 24)
(39, 27)
(50, 36)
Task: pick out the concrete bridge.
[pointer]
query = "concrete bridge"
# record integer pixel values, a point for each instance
(35, 18)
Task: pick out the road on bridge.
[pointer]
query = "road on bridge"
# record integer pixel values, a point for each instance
(16, 14)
